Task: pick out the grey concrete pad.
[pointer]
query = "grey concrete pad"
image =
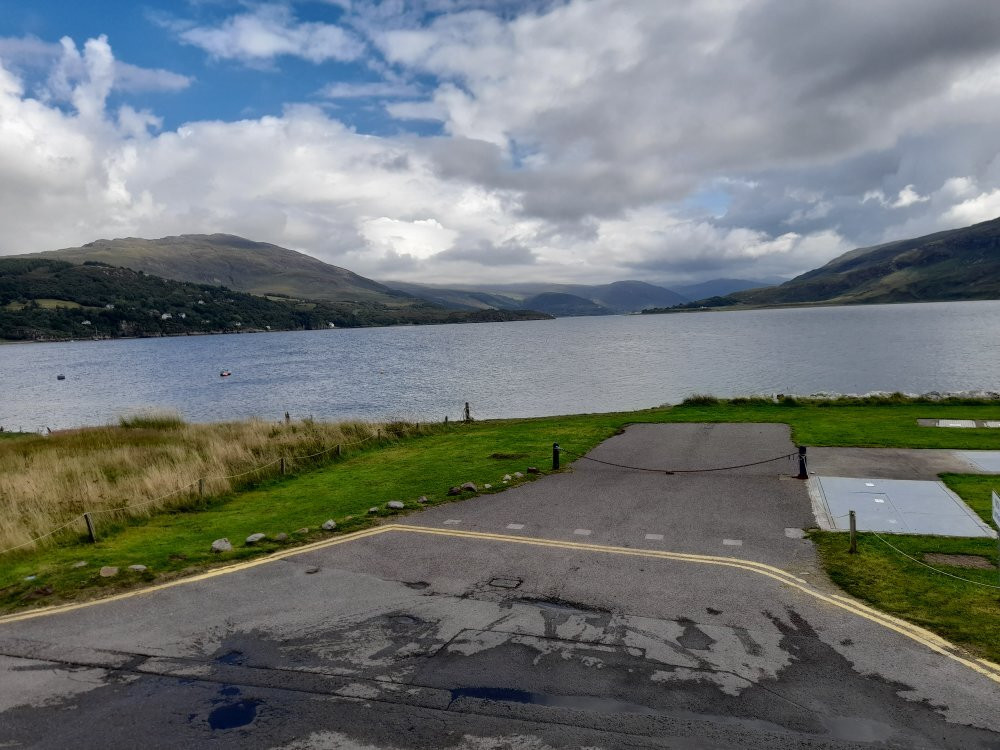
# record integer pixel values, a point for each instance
(987, 462)
(900, 506)
(966, 423)
(887, 463)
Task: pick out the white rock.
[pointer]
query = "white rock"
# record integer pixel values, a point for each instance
(329, 525)
(487, 486)
(109, 571)
(222, 545)
(519, 475)
(137, 568)
(395, 505)
(423, 500)
(372, 510)
(80, 564)
(507, 477)
(254, 538)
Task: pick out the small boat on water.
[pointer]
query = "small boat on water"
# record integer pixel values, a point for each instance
(60, 377)
(225, 374)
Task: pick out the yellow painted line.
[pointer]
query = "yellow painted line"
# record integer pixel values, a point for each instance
(221, 571)
(930, 640)
(933, 642)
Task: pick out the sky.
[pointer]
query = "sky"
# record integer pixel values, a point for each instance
(502, 141)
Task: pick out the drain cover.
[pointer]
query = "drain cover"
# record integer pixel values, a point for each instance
(506, 583)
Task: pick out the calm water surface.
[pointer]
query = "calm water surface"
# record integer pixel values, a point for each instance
(529, 368)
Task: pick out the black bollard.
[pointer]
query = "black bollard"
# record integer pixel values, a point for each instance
(555, 457)
(803, 474)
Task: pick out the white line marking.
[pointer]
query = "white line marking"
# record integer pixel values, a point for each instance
(733, 542)
(515, 526)
(452, 522)
(582, 532)
(655, 537)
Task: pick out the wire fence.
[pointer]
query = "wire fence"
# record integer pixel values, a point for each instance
(132, 506)
(931, 567)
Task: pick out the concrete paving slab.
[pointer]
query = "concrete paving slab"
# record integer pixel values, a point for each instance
(899, 506)
(967, 423)
(888, 463)
(986, 461)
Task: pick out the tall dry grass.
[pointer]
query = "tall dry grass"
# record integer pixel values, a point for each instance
(128, 470)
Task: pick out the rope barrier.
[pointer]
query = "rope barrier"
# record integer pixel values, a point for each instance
(37, 538)
(678, 471)
(936, 570)
(151, 501)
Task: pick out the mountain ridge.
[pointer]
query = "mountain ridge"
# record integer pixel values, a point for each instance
(260, 268)
(951, 265)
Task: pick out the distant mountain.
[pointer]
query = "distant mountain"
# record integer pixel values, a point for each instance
(616, 297)
(47, 299)
(721, 287)
(235, 262)
(954, 265)
(564, 305)
(457, 299)
(633, 296)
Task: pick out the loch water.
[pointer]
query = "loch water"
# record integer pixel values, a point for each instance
(520, 369)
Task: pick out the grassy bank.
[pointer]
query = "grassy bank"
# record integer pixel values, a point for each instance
(427, 462)
(152, 462)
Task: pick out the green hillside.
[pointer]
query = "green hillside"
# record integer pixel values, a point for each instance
(237, 263)
(959, 264)
(43, 299)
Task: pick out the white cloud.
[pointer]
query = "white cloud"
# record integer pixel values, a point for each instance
(907, 197)
(32, 53)
(589, 140)
(270, 31)
(377, 89)
(983, 207)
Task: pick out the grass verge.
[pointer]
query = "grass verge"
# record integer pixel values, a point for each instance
(964, 613)
(176, 541)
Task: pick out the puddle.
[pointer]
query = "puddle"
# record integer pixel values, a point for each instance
(233, 715)
(855, 729)
(578, 702)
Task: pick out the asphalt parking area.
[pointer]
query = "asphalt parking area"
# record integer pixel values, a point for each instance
(476, 635)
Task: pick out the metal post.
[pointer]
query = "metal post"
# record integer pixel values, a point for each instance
(468, 412)
(282, 466)
(288, 417)
(446, 419)
(90, 527)
(555, 457)
(378, 434)
(854, 534)
(803, 473)
(201, 487)
(339, 451)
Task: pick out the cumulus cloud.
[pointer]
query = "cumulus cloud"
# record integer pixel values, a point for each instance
(271, 31)
(579, 141)
(32, 54)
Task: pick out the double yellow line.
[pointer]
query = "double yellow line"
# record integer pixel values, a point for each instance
(924, 637)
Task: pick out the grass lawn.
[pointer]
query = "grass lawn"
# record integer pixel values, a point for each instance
(963, 613)
(177, 542)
